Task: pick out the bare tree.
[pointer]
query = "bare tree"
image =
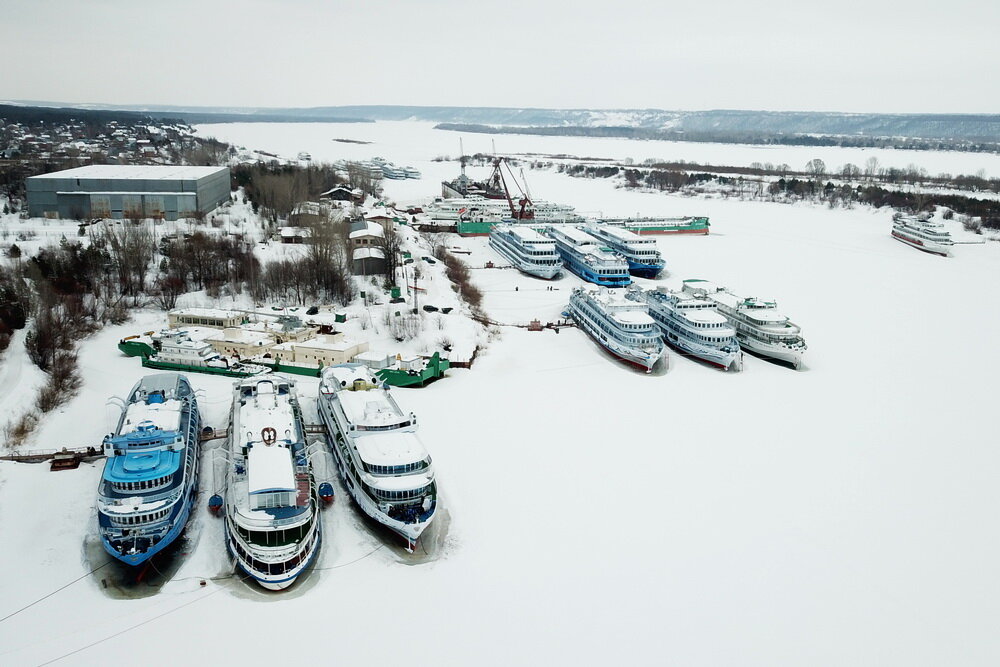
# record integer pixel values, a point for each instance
(131, 251)
(871, 168)
(390, 243)
(816, 168)
(850, 171)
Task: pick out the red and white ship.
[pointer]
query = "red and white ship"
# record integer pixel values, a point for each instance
(926, 235)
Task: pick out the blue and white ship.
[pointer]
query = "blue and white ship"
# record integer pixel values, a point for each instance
(622, 326)
(384, 464)
(527, 250)
(587, 259)
(272, 506)
(151, 474)
(644, 260)
(693, 325)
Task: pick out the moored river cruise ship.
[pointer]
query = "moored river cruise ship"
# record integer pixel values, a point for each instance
(150, 476)
(923, 234)
(585, 257)
(694, 326)
(384, 464)
(272, 511)
(620, 325)
(527, 250)
(644, 260)
(760, 327)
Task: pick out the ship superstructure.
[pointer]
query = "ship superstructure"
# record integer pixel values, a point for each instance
(620, 325)
(272, 510)
(760, 326)
(643, 257)
(586, 257)
(384, 464)
(150, 477)
(527, 250)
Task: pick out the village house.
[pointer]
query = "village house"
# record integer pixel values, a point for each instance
(367, 255)
(205, 317)
(325, 350)
(240, 342)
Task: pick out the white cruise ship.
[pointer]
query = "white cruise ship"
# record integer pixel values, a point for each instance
(644, 260)
(693, 325)
(384, 465)
(587, 258)
(272, 510)
(527, 250)
(476, 208)
(927, 235)
(760, 328)
(621, 326)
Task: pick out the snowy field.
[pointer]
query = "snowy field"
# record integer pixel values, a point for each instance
(842, 514)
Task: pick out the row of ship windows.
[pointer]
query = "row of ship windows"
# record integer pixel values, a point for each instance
(274, 538)
(390, 427)
(273, 568)
(397, 470)
(407, 494)
(143, 485)
(614, 333)
(139, 519)
(708, 339)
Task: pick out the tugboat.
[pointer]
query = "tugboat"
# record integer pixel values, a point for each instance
(151, 474)
(384, 465)
(272, 504)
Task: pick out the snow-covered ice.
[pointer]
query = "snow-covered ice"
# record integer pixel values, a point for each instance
(842, 514)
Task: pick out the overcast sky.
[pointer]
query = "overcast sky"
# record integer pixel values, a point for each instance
(917, 56)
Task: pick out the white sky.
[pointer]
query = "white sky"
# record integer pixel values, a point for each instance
(852, 55)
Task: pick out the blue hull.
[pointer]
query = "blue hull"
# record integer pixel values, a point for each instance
(168, 539)
(597, 279)
(644, 270)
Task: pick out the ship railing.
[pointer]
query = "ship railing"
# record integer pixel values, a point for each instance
(171, 496)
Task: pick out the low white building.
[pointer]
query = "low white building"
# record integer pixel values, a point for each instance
(325, 350)
(241, 342)
(204, 317)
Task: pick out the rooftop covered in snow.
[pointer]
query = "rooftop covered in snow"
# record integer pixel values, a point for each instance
(135, 172)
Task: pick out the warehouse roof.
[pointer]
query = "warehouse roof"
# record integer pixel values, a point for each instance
(140, 172)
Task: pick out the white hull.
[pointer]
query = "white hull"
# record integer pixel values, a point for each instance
(638, 357)
(540, 271)
(922, 244)
(411, 532)
(730, 361)
(788, 355)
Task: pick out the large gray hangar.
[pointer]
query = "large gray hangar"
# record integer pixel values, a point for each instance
(123, 191)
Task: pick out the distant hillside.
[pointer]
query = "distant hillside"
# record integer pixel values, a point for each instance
(29, 115)
(971, 127)
(959, 127)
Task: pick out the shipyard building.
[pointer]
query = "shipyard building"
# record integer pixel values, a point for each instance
(124, 191)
